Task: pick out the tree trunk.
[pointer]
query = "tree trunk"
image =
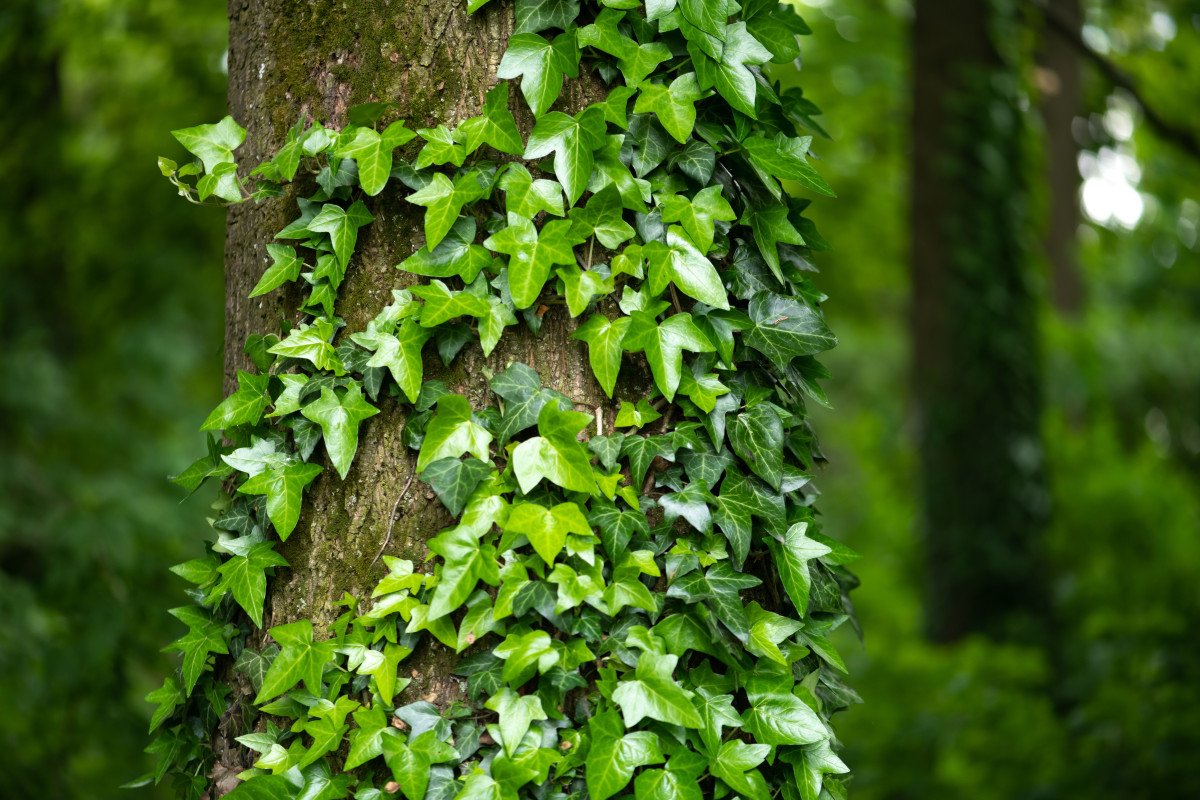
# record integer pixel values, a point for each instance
(435, 63)
(1059, 79)
(976, 365)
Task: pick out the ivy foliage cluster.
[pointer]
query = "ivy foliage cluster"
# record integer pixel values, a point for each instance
(641, 609)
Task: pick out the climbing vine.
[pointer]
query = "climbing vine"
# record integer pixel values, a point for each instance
(641, 606)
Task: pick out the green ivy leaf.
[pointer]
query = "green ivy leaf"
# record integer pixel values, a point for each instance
(299, 659)
(674, 104)
(654, 693)
(756, 435)
(602, 218)
(205, 635)
(679, 781)
(635, 61)
(454, 480)
(342, 226)
(546, 528)
(538, 15)
(716, 713)
(521, 389)
(784, 719)
(581, 287)
(555, 454)
(285, 267)
(541, 66)
(532, 254)
(772, 227)
(495, 127)
(731, 74)
(456, 255)
(263, 787)
(410, 763)
(366, 740)
(245, 577)
(573, 140)
(168, 697)
(442, 304)
(466, 561)
(678, 261)
(735, 765)
(339, 418)
(372, 151)
(740, 499)
(401, 354)
(792, 554)
(664, 345)
(785, 328)
(452, 432)
(443, 201)
(311, 343)
(440, 148)
(786, 157)
(698, 215)
(284, 488)
(212, 144)
(516, 714)
(614, 755)
(527, 197)
(604, 339)
(690, 503)
(243, 407)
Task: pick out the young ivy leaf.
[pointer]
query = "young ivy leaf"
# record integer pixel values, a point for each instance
(555, 454)
(205, 635)
(654, 693)
(664, 345)
(516, 714)
(245, 577)
(342, 226)
(442, 305)
(527, 197)
(602, 218)
(452, 432)
(678, 261)
(573, 140)
(401, 354)
(212, 144)
(243, 407)
(699, 215)
(284, 488)
(456, 256)
(440, 148)
(299, 659)
(532, 254)
(580, 286)
(286, 267)
(674, 105)
(614, 755)
(731, 74)
(792, 553)
(495, 127)
(444, 200)
(311, 343)
(634, 61)
(546, 528)
(604, 338)
(466, 561)
(339, 418)
(372, 151)
(541, 66)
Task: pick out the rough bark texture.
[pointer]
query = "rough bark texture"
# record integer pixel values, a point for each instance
(976, 366)
(318, 59)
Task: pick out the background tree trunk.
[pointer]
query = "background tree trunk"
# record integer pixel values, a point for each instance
(976, 368)
(319, 59)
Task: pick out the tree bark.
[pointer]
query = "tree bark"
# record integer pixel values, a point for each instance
(317, 60)
(976, 367)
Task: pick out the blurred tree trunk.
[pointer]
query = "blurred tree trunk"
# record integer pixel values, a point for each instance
(1059, 86)
(318, 59)
(976, 364)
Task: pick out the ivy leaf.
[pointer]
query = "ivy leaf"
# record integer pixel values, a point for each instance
(205, 635)
(411, 763)
(635, 61)
(767, 630)
(691, 503)
(168, 697)
(720, 587)
(452, 432)
(678, 261)
(707, 15)
(443, 201)
(366, 740)
(604, 339)
(786, 157)
(285, 267)
(614, 755)
(284, 488)
(263, 787)
(616, 105)
(716, 713)
(735, 765)
(646, 146)
(698, 215)
(771, 227)
(442, 304)
(674, 104)
(664, 345)
(740, 499)
(440, 148)
(696, 160)
(516, 714)
(573, 140)
(546, 528)
(641, 452)
(679, 781)
(777, 26)
(245, 577)
(311, 343)
(582, 286)
(342, 226)
(555, 454)
(524, 654)
(784, 719)
(212, 144)
(792, 554)
(654, 693)
(401, 354)
(756, 435)
(610, 170)
(299, 659)
(532, 254)
(491, 327)
(602, 218)
(521, 388)
(454, 480)
(541, 66)
(636, 416)
(372, 152)
(527, 197)
(496, 126)
(481, 786)
(731, 74)
(466, 561)
(456, 255)
(339, 418)
(785, 328)
(538, 15)
(243, 407)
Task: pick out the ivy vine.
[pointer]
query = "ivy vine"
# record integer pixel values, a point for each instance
(643, 610)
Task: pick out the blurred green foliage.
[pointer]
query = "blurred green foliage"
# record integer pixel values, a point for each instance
(111, 330)
(111, 316)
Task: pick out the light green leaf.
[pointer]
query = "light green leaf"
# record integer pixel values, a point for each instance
(495, 127)
(674, 105)
(654, 693)
(442, 304)
(299, 659)
(342, 226)
(664, 345)
(245, 576)
(614, 755)
(243, 407)
(527, 197)
(678, 261)
(311, 343)
(444, 200)
(698, 215)
(516, 714)
(784, 719)
(546, 528)
(792, 555)
(573, 140)
(786, 157)
(466, 561)
(453, 432)
(604, 338)
(212, 144)
(284, 488)
(401, 354)
(532, 254)
(372, 151)
(541, 66)
(731, 74)
(556, 454)
(285, 267)
(339, 418)
(602, 218)
(205, 635)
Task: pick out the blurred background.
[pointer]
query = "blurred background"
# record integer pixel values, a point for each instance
(1014, 445)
